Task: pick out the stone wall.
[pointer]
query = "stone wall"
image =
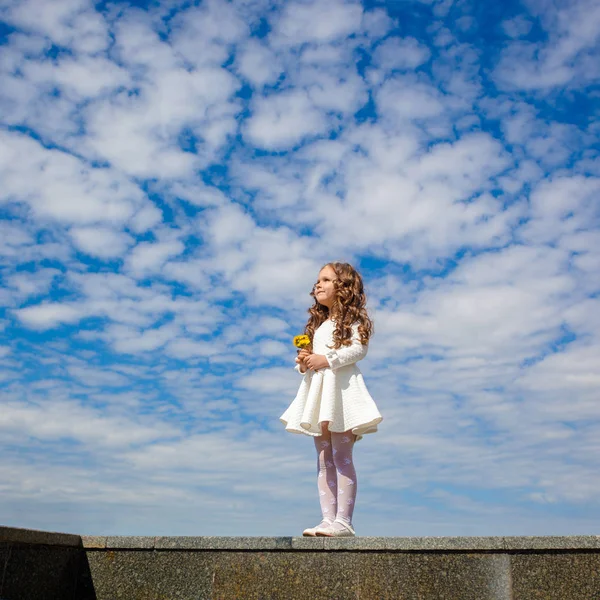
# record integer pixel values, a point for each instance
(47, 566)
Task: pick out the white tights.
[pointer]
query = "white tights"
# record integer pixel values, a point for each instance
(336, 479)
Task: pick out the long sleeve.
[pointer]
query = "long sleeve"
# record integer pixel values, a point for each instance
(346, 355)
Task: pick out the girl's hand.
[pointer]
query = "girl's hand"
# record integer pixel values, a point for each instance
(301, 358)
(316, 362)
(303, 354)
(302, 364)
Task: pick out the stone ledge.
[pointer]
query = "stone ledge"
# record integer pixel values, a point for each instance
(55, 566)
(358, 544)
(15, 535)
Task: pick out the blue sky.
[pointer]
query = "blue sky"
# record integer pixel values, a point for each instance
(173, 175)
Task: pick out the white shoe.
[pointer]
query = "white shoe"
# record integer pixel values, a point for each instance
(312, 531)
(332, 531)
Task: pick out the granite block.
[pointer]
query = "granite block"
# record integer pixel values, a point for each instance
(555, 576)
(93, 541)
(136, 542)
(298, 575)
(448, 576)
(283, 576)
(367, 544)
(351, 575)
(445, 544)
(143, 575)
(571, 542)
(17, 535)
(223, 543)
(308, 543)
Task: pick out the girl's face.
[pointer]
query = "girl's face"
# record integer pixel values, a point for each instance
(324, 290)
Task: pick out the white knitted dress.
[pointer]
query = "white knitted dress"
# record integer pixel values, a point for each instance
(337, 394)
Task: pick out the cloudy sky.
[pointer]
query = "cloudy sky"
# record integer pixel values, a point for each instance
(172, 176)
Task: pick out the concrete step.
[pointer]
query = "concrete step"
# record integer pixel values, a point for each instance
(53, 565)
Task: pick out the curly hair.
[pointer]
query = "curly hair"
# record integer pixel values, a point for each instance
(348, 308)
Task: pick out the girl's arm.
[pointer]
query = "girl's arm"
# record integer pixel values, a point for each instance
(346, 355)
(334, 359)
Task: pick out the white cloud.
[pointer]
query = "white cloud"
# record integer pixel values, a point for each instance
(270, 381)
(190, 272)
(185, 348)
(317, 22)
(150, 257)
(61, 187)
(273, 348)
(425, 204)
(33, 284)
(194, 192)
(331, 93)
(71, 23)
(100, 241)
(80, 78)
(145, 218)
(276, 188)
(137, 130)
(576, 372)
(56, 420)
(121, 131)
(563, 205)
(204, 34)
(258, 64)
(90, 376)
(270, 265)
(569, 57)
(46, 316)
(400, 53)
(130, 341)
(376, 23)
(283, 120)
(517, 27)
(403, 99)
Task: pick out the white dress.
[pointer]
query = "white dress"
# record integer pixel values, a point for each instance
(337, 393)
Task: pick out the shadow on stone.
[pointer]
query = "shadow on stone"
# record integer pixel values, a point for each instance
(34, 569)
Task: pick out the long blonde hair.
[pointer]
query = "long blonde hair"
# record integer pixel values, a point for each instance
(349, 307)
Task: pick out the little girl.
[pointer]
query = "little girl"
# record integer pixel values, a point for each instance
(333, 404)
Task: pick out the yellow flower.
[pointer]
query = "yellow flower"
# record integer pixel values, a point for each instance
(302, 341)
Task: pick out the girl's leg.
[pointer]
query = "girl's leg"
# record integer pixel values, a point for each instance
(326, 476)
(342, 446)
